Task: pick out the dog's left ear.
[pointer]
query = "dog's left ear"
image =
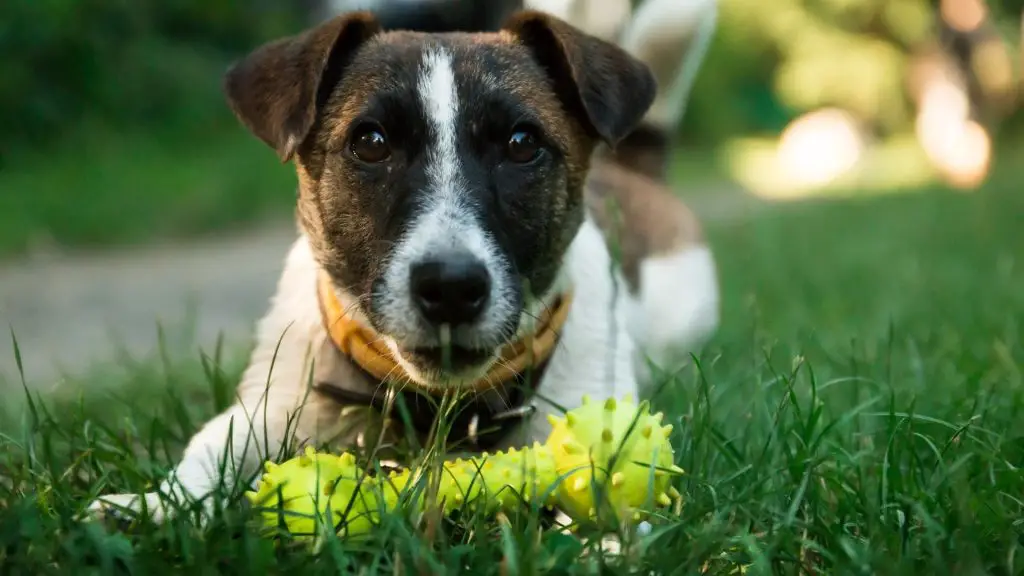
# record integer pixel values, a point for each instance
(275, 90)
(601, 83)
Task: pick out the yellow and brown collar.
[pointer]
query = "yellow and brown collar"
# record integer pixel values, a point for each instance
(500, 397)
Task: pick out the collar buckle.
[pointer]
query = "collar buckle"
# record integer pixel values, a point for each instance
(519, 413)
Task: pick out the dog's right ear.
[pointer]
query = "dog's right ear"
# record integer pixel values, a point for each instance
(276, 90)
(602, 84)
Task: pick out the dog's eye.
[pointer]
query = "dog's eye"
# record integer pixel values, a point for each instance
(523, 145)
(369, 144)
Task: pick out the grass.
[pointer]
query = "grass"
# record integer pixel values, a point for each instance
(860, 412)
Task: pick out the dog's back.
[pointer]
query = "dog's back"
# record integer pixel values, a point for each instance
(668, 267)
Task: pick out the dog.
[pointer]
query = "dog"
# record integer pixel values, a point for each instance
(456, 245)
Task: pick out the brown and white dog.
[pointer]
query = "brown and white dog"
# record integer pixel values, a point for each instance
(453, 238)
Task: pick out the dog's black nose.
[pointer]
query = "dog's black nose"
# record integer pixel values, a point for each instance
(450, 290)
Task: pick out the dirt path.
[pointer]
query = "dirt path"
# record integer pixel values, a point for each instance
(71, 313)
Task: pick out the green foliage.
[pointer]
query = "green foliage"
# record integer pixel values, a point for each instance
(772, 60)
(125, 62)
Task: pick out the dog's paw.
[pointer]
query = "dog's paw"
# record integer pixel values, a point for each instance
(126, 508)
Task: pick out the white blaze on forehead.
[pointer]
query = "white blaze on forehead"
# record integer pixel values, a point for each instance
(440, 101)
(445, 222)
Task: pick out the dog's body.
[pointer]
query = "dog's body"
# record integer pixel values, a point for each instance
(446, 195)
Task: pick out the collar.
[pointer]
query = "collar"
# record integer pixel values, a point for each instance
(499, 400)
(365, 347)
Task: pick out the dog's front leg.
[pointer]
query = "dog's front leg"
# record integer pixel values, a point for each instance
(273, 409)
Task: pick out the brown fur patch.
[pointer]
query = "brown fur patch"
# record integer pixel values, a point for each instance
(274, 90)
(596, 79)
(639, 216)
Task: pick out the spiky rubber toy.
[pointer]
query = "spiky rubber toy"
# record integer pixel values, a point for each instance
(609, 453)
(491, 481)
(612, 452)
(317, 487)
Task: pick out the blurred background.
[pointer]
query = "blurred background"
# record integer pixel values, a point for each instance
(129, 195)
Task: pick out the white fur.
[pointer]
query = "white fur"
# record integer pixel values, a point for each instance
(440, 99)
(676, 310)
(595, 352)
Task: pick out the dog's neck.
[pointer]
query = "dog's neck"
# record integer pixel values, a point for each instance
(379, 356)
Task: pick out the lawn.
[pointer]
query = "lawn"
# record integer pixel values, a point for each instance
(860, 412)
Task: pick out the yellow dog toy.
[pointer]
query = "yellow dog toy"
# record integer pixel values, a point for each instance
(615, 452)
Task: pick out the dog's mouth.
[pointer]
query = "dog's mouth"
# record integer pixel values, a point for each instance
(450, 361)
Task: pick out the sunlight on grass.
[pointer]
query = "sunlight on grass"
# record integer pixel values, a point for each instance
(898, 165)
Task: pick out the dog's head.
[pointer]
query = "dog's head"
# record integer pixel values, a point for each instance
(440, 175)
